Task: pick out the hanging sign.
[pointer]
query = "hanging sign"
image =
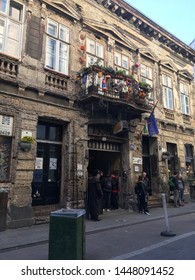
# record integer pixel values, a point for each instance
(137, 160)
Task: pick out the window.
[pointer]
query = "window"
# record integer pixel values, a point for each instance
(121, 62)
(95, 53)
(57, 47)
(184, 99)
(146, 76)
(3, 4)
(167, 92)
(189, 151)
(11, 17)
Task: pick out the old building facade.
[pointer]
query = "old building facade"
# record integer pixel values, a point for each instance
(72, 75)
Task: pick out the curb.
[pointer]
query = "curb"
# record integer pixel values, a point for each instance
(90, 232)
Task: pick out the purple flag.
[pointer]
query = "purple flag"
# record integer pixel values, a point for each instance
(152, 125)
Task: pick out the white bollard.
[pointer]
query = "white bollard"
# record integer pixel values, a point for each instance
(167, 232)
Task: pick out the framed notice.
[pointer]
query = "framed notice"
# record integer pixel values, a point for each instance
(137, 160)
(6, 125)
(136, 168)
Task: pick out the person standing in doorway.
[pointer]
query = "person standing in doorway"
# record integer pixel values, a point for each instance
(181, 187)
(95, 195)
(101, 203)
(146, 182)
(175, 188)
(107, 190)
(141, 196)
(115, 190)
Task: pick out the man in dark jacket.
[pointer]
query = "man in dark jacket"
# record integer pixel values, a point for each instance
(146, 182)
(115, 191)
(175, 178)
(141, 196)
(95, 194)
(107, 190)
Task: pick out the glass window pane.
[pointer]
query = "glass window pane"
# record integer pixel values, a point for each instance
(149, 72)
(2, 28)
(15, 11)
(13, 39)
(52, 28)
(91, 46)
(169, 82)
(55, 133)
(63, 58)
(125, 62)
(64, 34)
(3, 4)
(13, 31)
(164, 80)
(99, 50)
(117, 59)
(51, 53)
(143, 70)
(41, 132)
(170, 99)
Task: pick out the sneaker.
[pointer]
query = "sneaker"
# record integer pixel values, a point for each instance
(147, 213)
(141, 212)
(97, 220)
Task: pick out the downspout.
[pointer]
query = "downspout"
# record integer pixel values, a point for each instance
(73, 163)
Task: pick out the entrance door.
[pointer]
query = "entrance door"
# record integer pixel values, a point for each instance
(173, 162)
(47, 173)
(146, 157)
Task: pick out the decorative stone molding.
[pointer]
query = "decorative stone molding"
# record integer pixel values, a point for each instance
(8, 67)
(56, 81)
(145, 25)
(169, 114)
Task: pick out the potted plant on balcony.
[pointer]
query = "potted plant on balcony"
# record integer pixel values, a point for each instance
(144, 86)
(26, 142)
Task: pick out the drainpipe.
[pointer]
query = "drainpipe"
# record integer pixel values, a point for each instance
(73, 163)
(76, 160)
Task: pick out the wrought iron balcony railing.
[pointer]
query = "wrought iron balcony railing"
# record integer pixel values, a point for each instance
(116, 85)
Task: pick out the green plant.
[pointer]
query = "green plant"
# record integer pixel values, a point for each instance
(120, 72)
(27, 139)
(144, 85)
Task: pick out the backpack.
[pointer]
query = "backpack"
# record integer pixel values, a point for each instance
(171, 183)
(107, 187)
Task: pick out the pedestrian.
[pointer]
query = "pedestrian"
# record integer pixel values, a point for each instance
(146, 182)
(107, 190)
(181, 187)
(142, 196)
(115, 190)
(175, 188)
(101, 202)
(95, 195)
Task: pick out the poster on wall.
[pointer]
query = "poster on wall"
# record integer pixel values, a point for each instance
(53, 163)
(137, 160)
(39, 163)
(6, 125)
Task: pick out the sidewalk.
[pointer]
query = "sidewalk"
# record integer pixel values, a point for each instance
(39, 234)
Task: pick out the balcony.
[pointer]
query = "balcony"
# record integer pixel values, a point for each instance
(8, 67)
(104, 88)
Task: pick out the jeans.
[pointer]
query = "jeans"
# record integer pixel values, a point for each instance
(176, 197)
(181, 193)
